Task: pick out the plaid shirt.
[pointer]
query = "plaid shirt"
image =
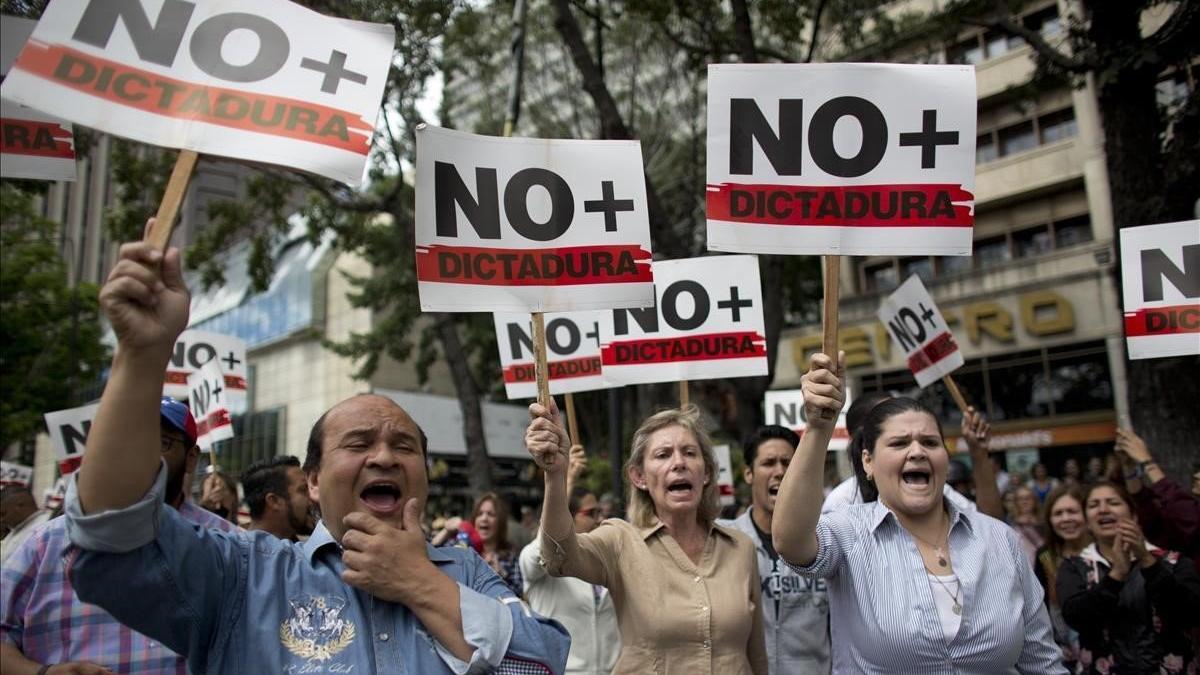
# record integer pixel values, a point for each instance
(41, 615)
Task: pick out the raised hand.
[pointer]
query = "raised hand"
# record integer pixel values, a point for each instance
(577, 463)
(975, 430)
(824, 390)
(546, 439)
(1135, 542)
(1120, 558)
(390, 564)
(145, 299)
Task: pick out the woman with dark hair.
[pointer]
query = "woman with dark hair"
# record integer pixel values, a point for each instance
(1041, 483)
(915, 583)
(1132, 602)
(686, 590)
(1027, 520)
(1066, 536)
(487, 533)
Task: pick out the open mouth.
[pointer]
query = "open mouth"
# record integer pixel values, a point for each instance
(679, 487)
(1106, 521)
(381, 496)
(772, 490)
(916, 477)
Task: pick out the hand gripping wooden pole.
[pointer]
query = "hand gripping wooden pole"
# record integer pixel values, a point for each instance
(539, 359)
(168, 208)
(572, 421)
(829, 313)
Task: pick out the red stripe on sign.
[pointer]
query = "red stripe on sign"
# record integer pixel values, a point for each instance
(1173, 320)
(709, 347)
(35, 139)
(161, 95)
(215, 420)
(236, 382)
(70, 464)
(937, 349)
(586, 366)
(928, 205)
(725, 490)
(560, 266)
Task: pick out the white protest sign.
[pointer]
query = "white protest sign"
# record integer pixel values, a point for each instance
(918, 329)
(266, 81)
(15, 474)
(68, 434)
(572, 352)
(707, 323)
(530, 225)
(841, 159)
(208, 400)
(724, 474)
(193, 349)
(1160, 282)
(785, 407)
(52, 497)
(32, 144)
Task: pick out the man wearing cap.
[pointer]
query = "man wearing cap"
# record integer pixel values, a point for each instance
(46, 629)
(364, 594)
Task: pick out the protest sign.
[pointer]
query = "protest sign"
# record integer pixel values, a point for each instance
(918, 329)
(52, 497)
(68, 434)
(530, 225)
(707, 323)
(724, 474)
(573, 352)
(841, 159)
(1160, 280)
(208, 400)
(785, 407)
(193, 349)
(32, 144)
(268, 81)
(15, 474)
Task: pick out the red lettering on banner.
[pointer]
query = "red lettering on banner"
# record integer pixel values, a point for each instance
(35, 139)
(161, 95)
(937, 349)
(70, 464)
(560, 266)
(587, 366)
(180, 377)
(931, 205)
(725, 490)
(708, 347)
(215, 420)
(1173, 320)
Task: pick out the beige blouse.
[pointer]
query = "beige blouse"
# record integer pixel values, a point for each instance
(675, 617)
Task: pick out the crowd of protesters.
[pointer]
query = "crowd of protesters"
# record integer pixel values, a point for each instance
(916, 563)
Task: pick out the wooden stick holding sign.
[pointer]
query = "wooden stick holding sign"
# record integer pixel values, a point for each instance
(539, 359)
(829, 313)
(572, 421)
(168, 209)
(955, 392)
(684, 394)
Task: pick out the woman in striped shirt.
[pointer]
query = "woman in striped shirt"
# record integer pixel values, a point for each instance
(915, 584)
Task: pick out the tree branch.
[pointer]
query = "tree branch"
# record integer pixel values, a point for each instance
(1176, 39)
(816, 31)
(742, 32)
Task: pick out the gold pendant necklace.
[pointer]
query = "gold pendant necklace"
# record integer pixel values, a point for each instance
(939, 550)
(957, 607)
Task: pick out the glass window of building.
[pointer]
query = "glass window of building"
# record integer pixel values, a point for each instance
(953, 264)
(1031, 241)
(1072, 231)
(922, 267)
(880, 276)
(1057, 126)
(1047, 22)
(1019, 386)
(1017, 138)
(968, 52)
(1079, 378)
(991, 251)
(985, 148)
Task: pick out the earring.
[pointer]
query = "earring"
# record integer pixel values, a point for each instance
(870, 478)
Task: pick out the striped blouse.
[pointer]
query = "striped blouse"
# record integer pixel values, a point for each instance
(883, 613)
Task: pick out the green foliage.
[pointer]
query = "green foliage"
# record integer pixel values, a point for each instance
(50, 335)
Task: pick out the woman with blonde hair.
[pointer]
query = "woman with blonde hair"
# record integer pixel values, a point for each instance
(686, 590)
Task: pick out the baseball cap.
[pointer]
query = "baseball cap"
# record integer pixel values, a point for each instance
(178, 416)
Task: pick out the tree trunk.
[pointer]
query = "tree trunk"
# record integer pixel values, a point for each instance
(1162, 392)
(479, 467)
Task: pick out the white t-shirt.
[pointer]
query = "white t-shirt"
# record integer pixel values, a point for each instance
(945, 590)
(846, 493)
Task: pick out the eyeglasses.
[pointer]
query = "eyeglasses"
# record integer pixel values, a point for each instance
(168, 442)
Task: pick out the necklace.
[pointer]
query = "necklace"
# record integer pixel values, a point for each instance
(957, 608)
(939, 550)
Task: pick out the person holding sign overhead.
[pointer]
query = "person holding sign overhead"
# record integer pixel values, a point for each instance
(686, 590)
(364, 594)
(916, 584)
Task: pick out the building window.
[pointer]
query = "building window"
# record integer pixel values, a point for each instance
(1071, 231)
(1031, 241)
(953, 264)
(1017, 138)
(880, 276)
(922, 267)
(968, 52)
(1046, 21)
(985, 148)
(1057, 126)
(991, 251)
(1079, 379)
